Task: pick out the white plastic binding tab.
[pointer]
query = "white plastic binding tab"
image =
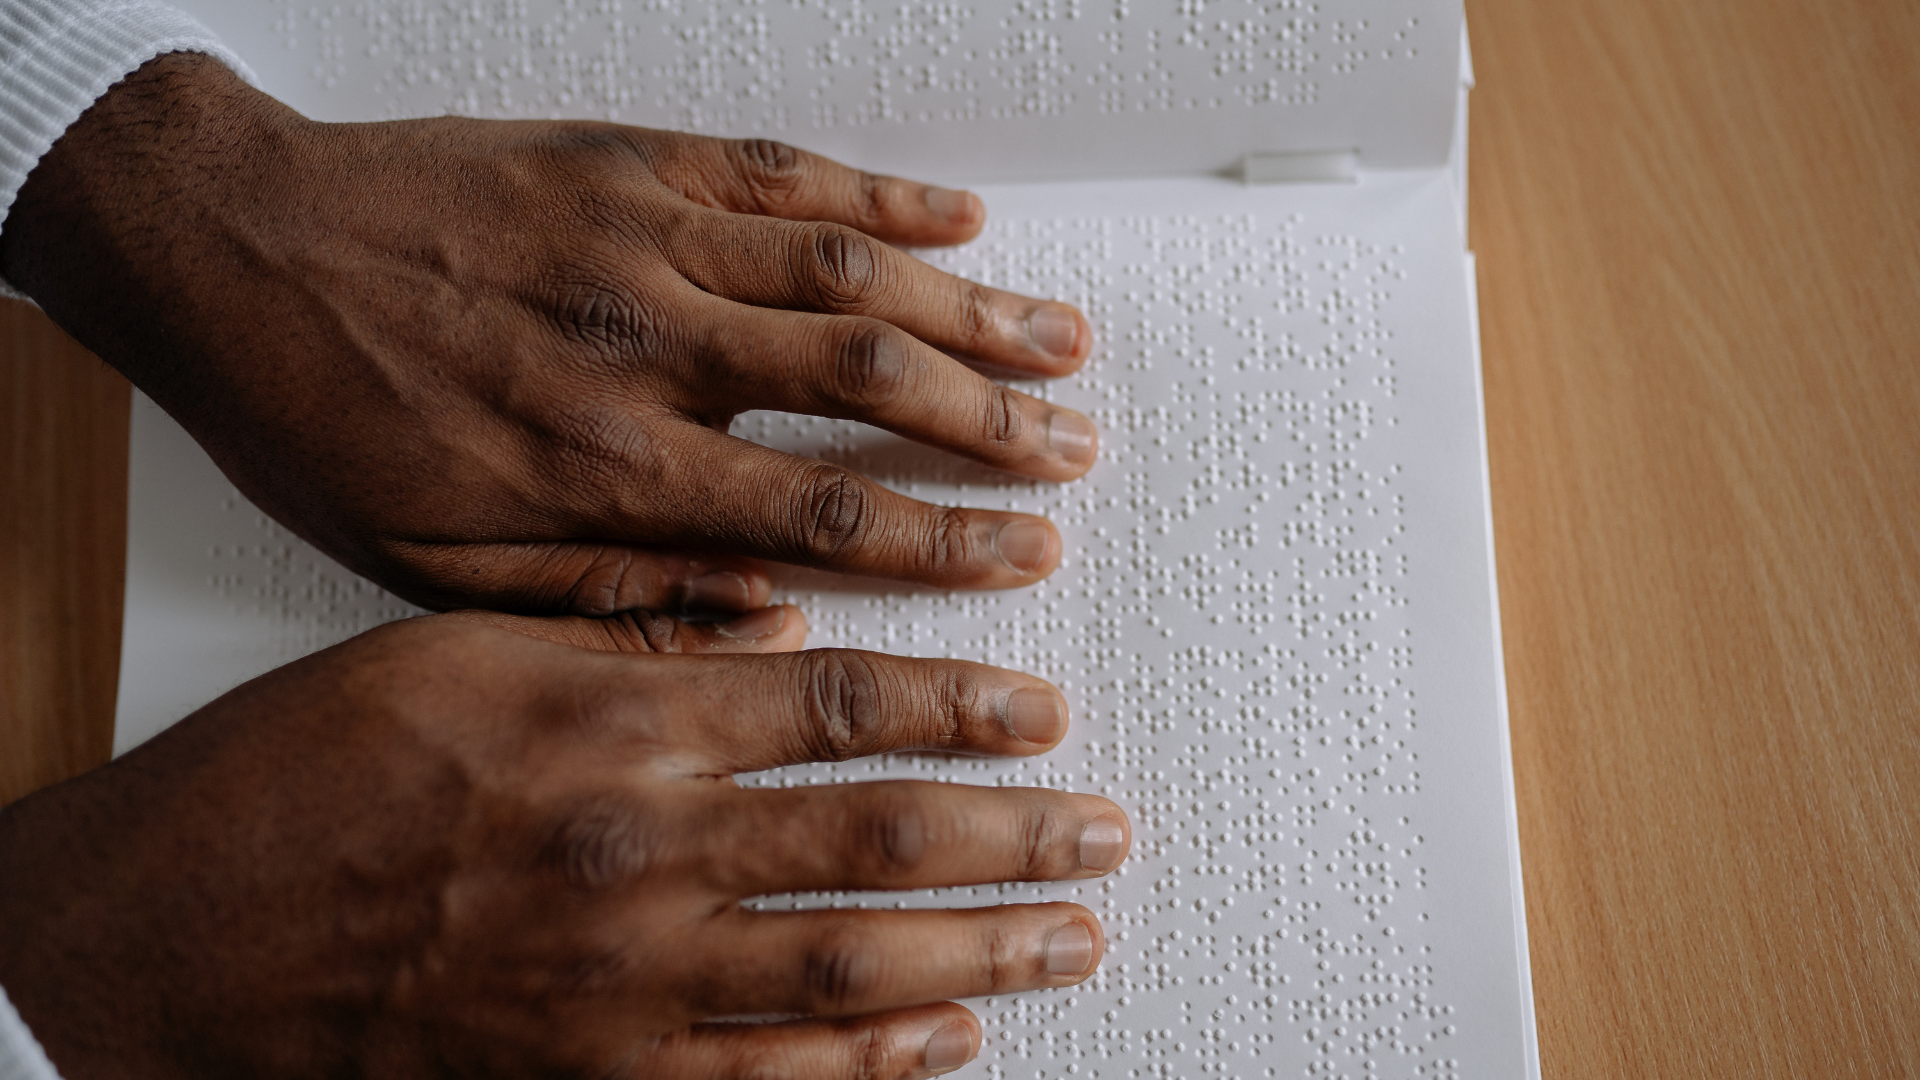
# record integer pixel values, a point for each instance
(1309, 167)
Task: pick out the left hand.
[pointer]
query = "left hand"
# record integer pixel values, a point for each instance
(493, 364)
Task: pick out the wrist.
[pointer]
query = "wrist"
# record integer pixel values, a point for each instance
(65, 964)
(99, 234)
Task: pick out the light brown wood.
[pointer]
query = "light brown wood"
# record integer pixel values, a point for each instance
(63, 485)
(1699, 235)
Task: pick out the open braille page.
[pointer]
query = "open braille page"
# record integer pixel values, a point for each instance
(1013, 90)
(1275, 621)
(1275, 625)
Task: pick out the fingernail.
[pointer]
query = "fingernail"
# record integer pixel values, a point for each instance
(755, 625)
(1069, 950)
(949, 1048)
(1022, 545)
(956, 206)
(1034, 716)
(727, 591)
(1054, 330)
(1071, 436)
(1102, 843)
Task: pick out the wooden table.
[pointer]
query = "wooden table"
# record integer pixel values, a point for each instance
(1699, 237)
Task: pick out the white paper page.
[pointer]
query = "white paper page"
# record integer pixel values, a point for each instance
(970, 92)
(1275, 625)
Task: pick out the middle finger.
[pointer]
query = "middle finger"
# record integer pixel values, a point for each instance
(900, 834)
(823, 267)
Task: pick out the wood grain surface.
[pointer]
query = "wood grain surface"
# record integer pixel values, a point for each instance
(1699, 236)
(63, 543)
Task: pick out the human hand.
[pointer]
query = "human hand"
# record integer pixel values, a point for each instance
(493, 364)
(443, 848)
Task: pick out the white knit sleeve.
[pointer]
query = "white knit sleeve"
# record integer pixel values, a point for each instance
(20, 1055)
(57, 57)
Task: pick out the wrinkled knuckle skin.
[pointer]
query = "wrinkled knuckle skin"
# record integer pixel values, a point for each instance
(834, 512)
(976, 318)
(1037, 856)
(1001, 427)
(839, 971)
(873, 200)
(873, 367)
(600, 844)
(646, 631)
(868, 1055)
(843, 704)
(949, 541)
(769, 161)
(595, 449)
(846, 268)
(1001, 962)
(613, 321)
(605, 585)
(772, 172)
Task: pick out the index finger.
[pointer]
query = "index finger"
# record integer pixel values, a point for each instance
(761, 176)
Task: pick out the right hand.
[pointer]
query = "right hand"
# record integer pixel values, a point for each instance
(449, 848)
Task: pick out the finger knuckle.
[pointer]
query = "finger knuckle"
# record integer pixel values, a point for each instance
(645, 631)
(768, 160)
(600, 587)
(1035, 841)
(976, 317)
(949, 541)
(868, 1054)
(1002, 421)
(770, 171)
(873, 197)
(844, 265)
(593, 448)
(834, 506)
(893, 831)
(590, 309)
(600, 843)
(872, 365)
(1002, 959)
(840, 969)
(842, 692)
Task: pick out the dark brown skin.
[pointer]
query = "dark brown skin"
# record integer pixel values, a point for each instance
(481, 845)
(493, 364)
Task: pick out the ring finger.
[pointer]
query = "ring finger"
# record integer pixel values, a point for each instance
(843, 963)
(906, 1043)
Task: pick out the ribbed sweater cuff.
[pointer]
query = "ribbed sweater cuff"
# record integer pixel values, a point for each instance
(20, 1055)
(57, 57)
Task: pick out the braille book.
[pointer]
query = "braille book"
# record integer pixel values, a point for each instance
(1275, 621)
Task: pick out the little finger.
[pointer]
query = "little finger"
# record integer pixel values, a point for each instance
(906, 1044)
